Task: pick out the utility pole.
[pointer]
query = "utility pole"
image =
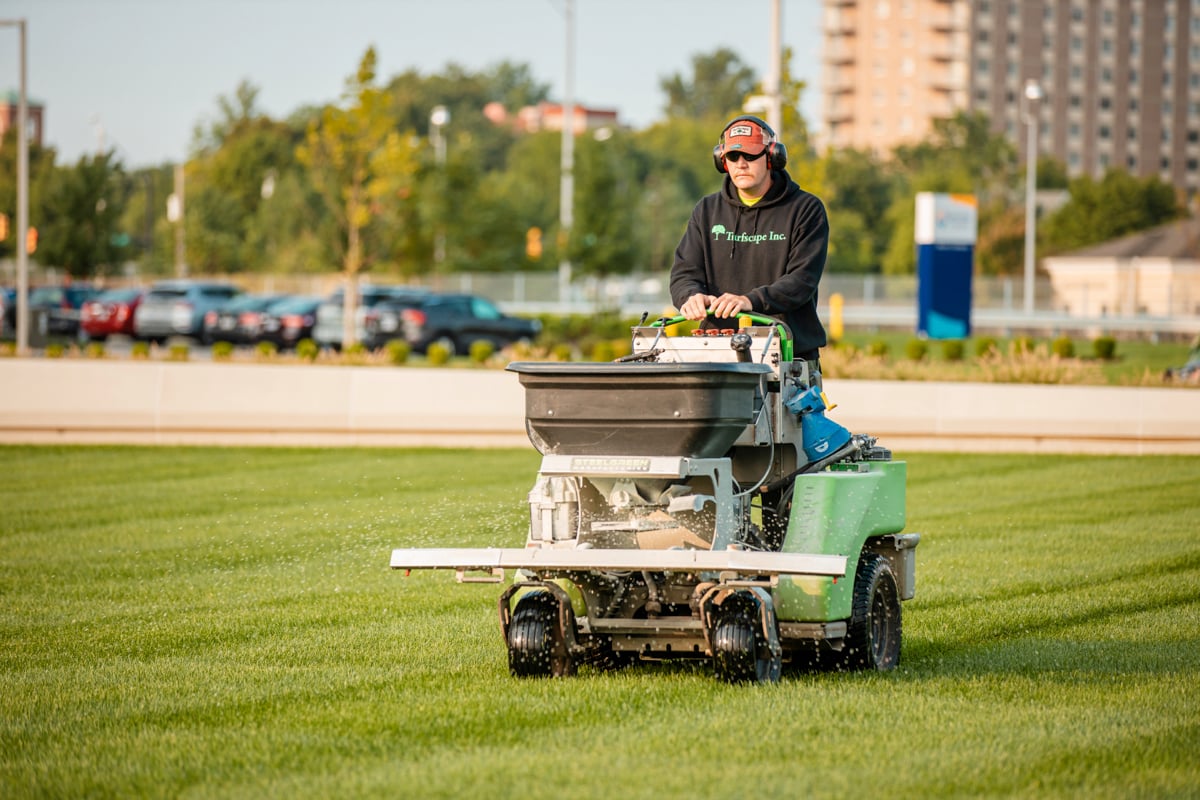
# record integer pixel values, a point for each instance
(181, 269)
(566, 200)
(775, 71)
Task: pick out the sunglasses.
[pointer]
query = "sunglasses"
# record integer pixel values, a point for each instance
(737, 155)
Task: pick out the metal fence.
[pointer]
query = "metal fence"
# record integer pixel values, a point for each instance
(869, 301)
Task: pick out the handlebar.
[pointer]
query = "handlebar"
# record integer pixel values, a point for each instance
(781, 329)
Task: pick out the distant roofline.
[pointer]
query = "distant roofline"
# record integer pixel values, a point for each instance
(13, 98)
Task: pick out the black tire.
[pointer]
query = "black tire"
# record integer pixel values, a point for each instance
(534, 639)
(739, 653)
(874, 632)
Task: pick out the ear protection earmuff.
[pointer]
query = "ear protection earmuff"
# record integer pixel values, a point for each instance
(776, 152)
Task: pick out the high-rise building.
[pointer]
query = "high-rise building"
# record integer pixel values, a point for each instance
(1114, 83)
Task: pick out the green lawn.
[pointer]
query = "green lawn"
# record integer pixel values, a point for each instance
(222, 623)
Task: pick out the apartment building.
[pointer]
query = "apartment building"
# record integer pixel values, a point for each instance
(1106, 83)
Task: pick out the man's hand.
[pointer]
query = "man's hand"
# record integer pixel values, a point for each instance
(696, 306)
(728, 305)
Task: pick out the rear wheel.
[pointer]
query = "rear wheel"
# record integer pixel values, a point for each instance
(740, 655)
(873, 636)
(534, 641)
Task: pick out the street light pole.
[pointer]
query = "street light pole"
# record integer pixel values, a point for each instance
(22, 195)
(437, 120)
(1033, 93)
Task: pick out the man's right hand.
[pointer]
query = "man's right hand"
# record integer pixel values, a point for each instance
(696, 306)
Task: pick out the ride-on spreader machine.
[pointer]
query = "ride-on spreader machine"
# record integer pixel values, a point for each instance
(694, 502)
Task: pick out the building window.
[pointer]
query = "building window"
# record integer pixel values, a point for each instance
(1104, 132)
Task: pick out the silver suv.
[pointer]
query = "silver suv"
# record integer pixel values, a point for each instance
(177, 308)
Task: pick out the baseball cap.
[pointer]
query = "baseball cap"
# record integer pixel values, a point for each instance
(747, 136)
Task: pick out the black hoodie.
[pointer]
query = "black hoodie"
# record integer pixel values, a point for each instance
(773, 252)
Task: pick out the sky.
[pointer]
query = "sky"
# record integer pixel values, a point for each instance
(137, 76)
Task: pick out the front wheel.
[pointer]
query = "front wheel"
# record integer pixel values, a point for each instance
(739, 653)
(534, 642)
(873, 636)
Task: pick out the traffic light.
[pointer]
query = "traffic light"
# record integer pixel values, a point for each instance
(31, 240)
(533, 243)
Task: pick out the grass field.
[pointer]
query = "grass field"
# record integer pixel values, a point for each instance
(222, 623)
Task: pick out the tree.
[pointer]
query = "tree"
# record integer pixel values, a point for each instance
(859, 188)
(78, 230)
(361, 166)
(1116, 205)
(961, 155)
(41, 173)
(719, 84)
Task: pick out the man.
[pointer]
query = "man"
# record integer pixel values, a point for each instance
(757, 245)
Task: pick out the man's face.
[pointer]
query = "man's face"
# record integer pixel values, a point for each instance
(752, 178)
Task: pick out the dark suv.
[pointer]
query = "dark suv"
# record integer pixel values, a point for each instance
(55, 309)
(453, 320)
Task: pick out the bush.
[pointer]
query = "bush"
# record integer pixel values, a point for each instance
(140, 350)
(307, 350)
(1104, 348)
(437, 354)
(8, 349)
(265, 350)
(878, 348)
(180, 351)
(480, 351)
(1063, 347)
(916, 349)
(953, 349)
(398, 352)
(55, 350)
(94, 350)
(562, 352)
(1023, 345)
(985, 345)
(222, 351)
(602, 351)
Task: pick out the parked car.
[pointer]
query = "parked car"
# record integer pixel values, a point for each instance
(110, 313)
(8, 312)
(457, 320)
(328, 330)
(288, 321)
(237, 320)
(384, 321)
(55, 310)
(177, 308)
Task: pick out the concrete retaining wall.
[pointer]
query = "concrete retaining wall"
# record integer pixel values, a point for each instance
(80, 401)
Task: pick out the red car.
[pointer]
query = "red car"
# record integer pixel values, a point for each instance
(109, 313)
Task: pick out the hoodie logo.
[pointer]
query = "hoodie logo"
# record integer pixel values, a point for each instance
(720, 233)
